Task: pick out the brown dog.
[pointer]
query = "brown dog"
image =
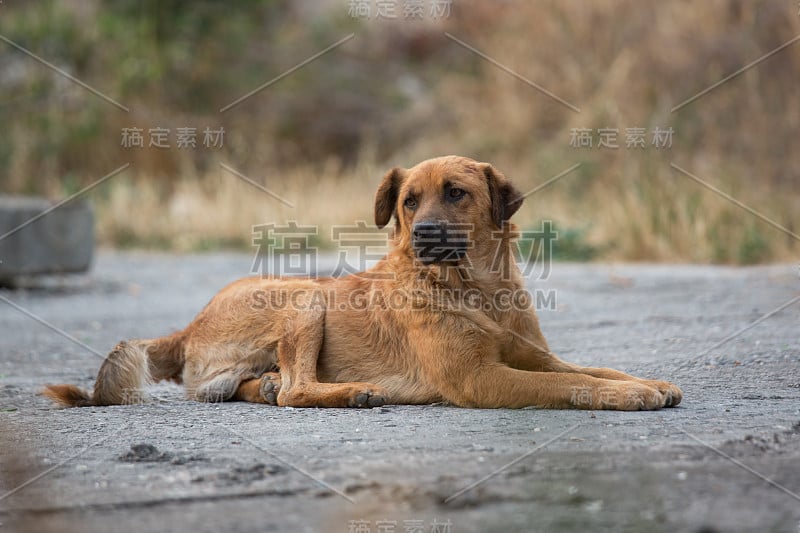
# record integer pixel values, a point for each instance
(424, 325)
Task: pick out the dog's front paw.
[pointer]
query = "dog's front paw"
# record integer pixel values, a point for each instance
(672, 393)
(371, 396)
(638, 397)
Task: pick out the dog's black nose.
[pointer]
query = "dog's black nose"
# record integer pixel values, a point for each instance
(428, 231)
(439, 241)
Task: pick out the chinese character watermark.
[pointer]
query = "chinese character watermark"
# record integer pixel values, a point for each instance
(359, 245)
(395, 9)
(601, 398)
(580, 138)
(536, 251)
(158, 137)
(289, 250)
(284, 250)
(404, 526)
(660, 138)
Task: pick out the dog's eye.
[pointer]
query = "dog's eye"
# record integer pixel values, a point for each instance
(410, 203)
(456, 193)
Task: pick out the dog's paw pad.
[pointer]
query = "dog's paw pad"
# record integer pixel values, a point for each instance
(368, 399)
(270, 387)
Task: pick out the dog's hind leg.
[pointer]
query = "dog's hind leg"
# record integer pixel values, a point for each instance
(232, 386)
(298, 352)
(264, 389)
(220, 388)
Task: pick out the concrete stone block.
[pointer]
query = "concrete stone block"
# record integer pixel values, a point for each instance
(59, 241)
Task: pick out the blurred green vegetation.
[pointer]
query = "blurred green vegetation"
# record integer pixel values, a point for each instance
(399, 92)
(545, 241)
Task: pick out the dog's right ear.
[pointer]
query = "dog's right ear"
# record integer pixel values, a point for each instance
(386, 197)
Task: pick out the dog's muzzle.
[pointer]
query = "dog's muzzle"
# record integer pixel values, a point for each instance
(440, 242)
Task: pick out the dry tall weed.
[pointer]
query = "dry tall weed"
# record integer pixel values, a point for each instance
(401, 91)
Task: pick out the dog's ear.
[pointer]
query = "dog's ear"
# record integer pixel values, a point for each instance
(386, 197)
(506, 199)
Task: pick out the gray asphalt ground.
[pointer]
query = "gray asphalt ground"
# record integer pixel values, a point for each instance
(728, 459)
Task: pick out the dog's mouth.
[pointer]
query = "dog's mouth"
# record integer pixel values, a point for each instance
(434, 255)
(439, 242)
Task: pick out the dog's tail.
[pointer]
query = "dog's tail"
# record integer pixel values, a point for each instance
(128, 368)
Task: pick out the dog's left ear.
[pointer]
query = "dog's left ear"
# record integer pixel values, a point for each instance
(506, 199)
(386, 197)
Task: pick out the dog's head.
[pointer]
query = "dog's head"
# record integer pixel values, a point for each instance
(442, 204)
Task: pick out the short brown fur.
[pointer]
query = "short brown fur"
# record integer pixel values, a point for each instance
(319, 352)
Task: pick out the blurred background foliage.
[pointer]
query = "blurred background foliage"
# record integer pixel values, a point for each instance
(401, 91)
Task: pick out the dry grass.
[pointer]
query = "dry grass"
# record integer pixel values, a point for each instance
(402, 92)
(220, 209)
(668, 218)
